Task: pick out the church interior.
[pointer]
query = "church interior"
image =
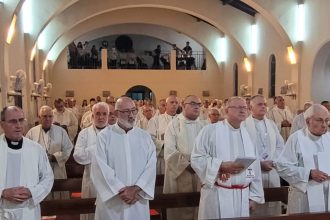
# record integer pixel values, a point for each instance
(82, 49)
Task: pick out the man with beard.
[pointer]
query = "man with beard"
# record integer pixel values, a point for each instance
(85, 148)
(124, 167)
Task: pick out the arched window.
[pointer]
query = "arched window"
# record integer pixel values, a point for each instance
(272, 75)
(235, 70)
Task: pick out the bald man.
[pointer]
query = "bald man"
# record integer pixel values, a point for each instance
(299, 121)
(282, 116)
(56, 142)
(157, 126)
(144, 120)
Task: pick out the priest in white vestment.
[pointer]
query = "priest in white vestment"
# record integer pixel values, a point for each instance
(304, 163)
(178, 144)
(56, 142)
(26, 177)
(214, 115)
(161, 107)
(269, 144)
(112, 119)
(299, 121)
(282, 117)
(204, 111)
(86, 119)
(124, 168)
(157, 126)
(228, 190)
(144, 120)
(85, 149)
(65, 118)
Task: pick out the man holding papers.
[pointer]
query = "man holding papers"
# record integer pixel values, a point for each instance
(228, 189)
(305, 161)
(269, 145)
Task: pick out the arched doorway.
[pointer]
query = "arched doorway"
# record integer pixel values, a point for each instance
(320, 89)
(140, 92)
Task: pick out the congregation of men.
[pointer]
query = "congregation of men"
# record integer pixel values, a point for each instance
(195, 150)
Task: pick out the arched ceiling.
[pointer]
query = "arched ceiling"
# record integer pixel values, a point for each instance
(55, 19)
(179, 22)
(68, 19)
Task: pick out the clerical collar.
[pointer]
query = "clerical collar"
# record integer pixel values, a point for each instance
(100, 128)
(15, 145)
(46, 129)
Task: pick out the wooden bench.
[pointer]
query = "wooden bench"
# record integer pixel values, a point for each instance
(74, 170)
(71, 184)
(84, 206)
(161, 201)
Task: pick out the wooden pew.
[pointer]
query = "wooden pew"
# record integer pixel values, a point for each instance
(277, 194)
(161, 201)
(74, 170)
(84, 206)
(71, 184)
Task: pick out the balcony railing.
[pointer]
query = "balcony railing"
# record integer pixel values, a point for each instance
(139, 60)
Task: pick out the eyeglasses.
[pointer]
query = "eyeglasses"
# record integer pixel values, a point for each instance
(194, 104)
(128, 111)
(322, 121)
(15, 121)
(239, 107)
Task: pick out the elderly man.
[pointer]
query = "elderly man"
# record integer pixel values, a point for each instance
(214, 115)
(110, 100)
(26, 177)
(204, 110)
(56, 142)
(65, 118)
(304, 163)
(85, 149)
(157, 126)
(299, 121)
(269, 143)
(86, 119)
(124, 168)
(228, 187)
(161, 107)
(178, 144)
(144, 120)
(112, 116)
(282, 117)
(326, 104)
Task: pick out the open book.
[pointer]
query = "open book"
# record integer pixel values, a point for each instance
(245, 161)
